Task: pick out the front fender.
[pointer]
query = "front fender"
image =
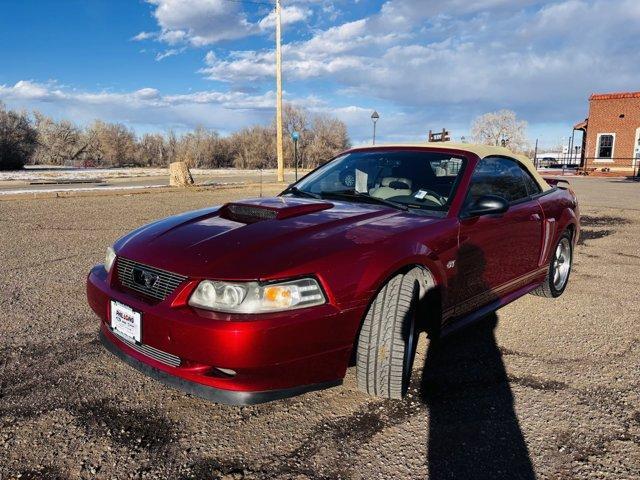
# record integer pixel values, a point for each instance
(393, 258)
(420, 256)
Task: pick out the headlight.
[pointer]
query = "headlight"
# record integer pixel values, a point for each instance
(109, 259)
(252, 297)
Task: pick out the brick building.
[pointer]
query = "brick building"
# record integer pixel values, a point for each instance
(611, 133)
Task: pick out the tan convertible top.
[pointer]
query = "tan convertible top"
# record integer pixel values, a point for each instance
(481, 151)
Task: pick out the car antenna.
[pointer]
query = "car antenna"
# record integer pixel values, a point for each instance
(260, 169)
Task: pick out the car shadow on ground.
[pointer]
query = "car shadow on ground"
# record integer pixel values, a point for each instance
(473, 427)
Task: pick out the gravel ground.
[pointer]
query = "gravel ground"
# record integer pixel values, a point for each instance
(543, 389)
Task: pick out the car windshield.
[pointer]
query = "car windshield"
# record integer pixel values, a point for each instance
(420, 180)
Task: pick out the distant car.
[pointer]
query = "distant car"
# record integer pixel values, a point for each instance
(266, 298)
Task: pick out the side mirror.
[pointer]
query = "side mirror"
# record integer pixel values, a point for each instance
(487, 205)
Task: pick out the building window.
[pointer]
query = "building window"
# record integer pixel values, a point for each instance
(605, 145)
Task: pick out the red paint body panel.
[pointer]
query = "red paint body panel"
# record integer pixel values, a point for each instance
(270, 353)
(352, 249)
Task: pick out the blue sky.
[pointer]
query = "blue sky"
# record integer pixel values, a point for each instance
(422, 64)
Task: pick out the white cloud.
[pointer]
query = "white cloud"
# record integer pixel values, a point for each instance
(290, 15)
(144, 109)
(143, 36)
(336, 49)
(416, 10)
(422, 63)
(200, 22)
(206, 22)
(169, 53)
(25, 89)
(147, 93)
(542, 60)
(147, 109)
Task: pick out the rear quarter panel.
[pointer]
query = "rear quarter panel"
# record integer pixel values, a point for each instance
(561, 212)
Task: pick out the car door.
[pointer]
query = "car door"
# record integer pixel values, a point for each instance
(497, 253)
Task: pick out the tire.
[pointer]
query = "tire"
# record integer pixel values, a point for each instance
(550, 287)
(387, 341)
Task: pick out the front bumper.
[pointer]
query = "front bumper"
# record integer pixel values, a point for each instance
(274, 356)
(228, 397)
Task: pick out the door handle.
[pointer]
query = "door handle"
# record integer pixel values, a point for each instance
(534, 217)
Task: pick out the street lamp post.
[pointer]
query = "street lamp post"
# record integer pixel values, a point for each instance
(295, 136)
(374, 118)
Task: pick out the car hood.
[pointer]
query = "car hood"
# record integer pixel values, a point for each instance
(262, 238)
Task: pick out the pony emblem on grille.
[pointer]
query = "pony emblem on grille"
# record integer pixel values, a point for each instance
(145, 278)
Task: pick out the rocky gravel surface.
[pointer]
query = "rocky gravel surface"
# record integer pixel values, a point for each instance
(542, 389)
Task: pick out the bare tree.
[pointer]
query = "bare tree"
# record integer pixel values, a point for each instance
(111, 144)
(18, 139)
(321, 136)
(329, 137)
(199, 148)
(294, 119)
(254, 147)
(172, 146)
(500, 127)
(58, 142)
(152, 150)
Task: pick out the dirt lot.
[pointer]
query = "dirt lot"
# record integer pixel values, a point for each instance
(543, 389)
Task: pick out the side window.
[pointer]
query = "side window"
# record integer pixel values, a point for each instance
(532, 186)
(497, 176)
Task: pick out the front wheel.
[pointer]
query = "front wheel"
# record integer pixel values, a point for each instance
(559, 269)
(388, 338)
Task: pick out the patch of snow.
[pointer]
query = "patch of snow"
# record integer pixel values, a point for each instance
(34, 173)
(20, 191)
(75, 189)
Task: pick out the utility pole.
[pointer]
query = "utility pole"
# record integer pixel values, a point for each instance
(279, 140)
(573, 133)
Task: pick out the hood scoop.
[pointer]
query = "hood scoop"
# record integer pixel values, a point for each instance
(277, 208)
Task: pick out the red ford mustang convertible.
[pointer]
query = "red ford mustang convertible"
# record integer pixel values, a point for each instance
(267, 298)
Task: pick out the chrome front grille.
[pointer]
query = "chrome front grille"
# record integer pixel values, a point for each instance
(148, 351)
(150, 281)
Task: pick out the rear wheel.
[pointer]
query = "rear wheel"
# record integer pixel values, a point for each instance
(559, 269)
(388, 338)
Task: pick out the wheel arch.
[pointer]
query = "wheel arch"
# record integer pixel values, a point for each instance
(570, 221)
(430, 292)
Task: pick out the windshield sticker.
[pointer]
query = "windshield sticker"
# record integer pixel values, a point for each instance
(420, 194)
(361, 181)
